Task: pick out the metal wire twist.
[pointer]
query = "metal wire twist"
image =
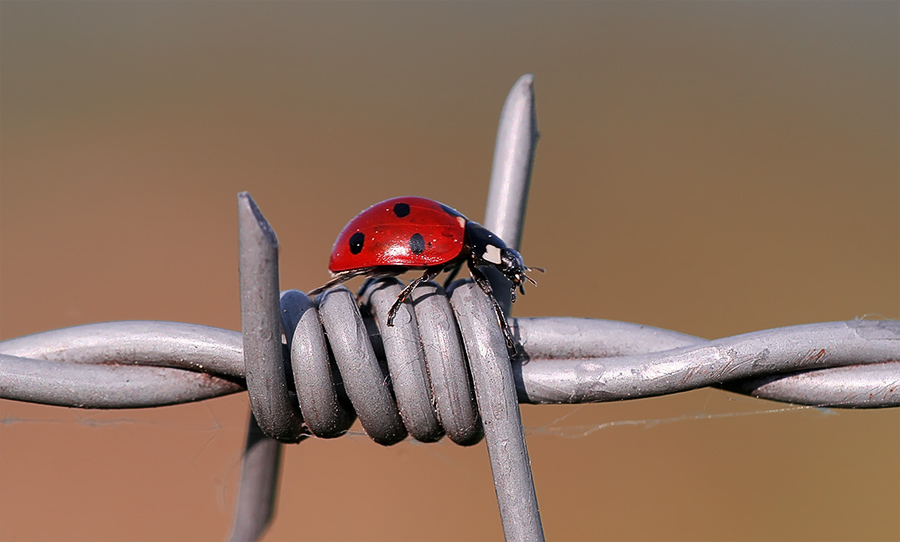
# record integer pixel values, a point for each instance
(138, 364)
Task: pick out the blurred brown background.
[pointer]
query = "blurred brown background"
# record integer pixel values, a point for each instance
(713, 168)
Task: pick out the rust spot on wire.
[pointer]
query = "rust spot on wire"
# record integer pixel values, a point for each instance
(815, 356)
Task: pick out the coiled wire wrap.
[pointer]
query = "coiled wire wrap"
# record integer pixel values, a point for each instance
(407, 379)
(390, 400)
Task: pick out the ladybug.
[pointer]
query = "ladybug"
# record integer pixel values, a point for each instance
(400, 234)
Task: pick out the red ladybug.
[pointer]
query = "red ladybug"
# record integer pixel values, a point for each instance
(399, 234)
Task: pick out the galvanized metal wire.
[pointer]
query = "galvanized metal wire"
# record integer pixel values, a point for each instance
(311, 368)
(138, 364)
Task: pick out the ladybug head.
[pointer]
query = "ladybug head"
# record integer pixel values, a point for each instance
(514, 268)
(488, 249)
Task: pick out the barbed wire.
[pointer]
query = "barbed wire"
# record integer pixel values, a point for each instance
(312, 367)
(426, 391)
(139, 364)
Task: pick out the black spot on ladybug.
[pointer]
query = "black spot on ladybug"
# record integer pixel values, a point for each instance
(401, 209)
(451, 211)
(417, 243)
(356, 242)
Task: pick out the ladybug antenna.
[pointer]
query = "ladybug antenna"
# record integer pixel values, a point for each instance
(514, 268)
(521, 284)
(529, 279)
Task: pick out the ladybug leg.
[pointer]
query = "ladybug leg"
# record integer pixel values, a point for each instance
(452, 271)
(429, 274)
(482, 281)
(340, 278)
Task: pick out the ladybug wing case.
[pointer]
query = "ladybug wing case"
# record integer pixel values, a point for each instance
(407, 231)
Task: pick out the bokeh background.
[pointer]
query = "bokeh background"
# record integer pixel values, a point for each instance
(710, 167)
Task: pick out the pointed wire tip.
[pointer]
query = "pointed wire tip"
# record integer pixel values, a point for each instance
(246, 203)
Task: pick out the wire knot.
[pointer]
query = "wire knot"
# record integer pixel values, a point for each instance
(411, 378)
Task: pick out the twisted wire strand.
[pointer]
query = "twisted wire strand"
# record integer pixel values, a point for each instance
(426, 388)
